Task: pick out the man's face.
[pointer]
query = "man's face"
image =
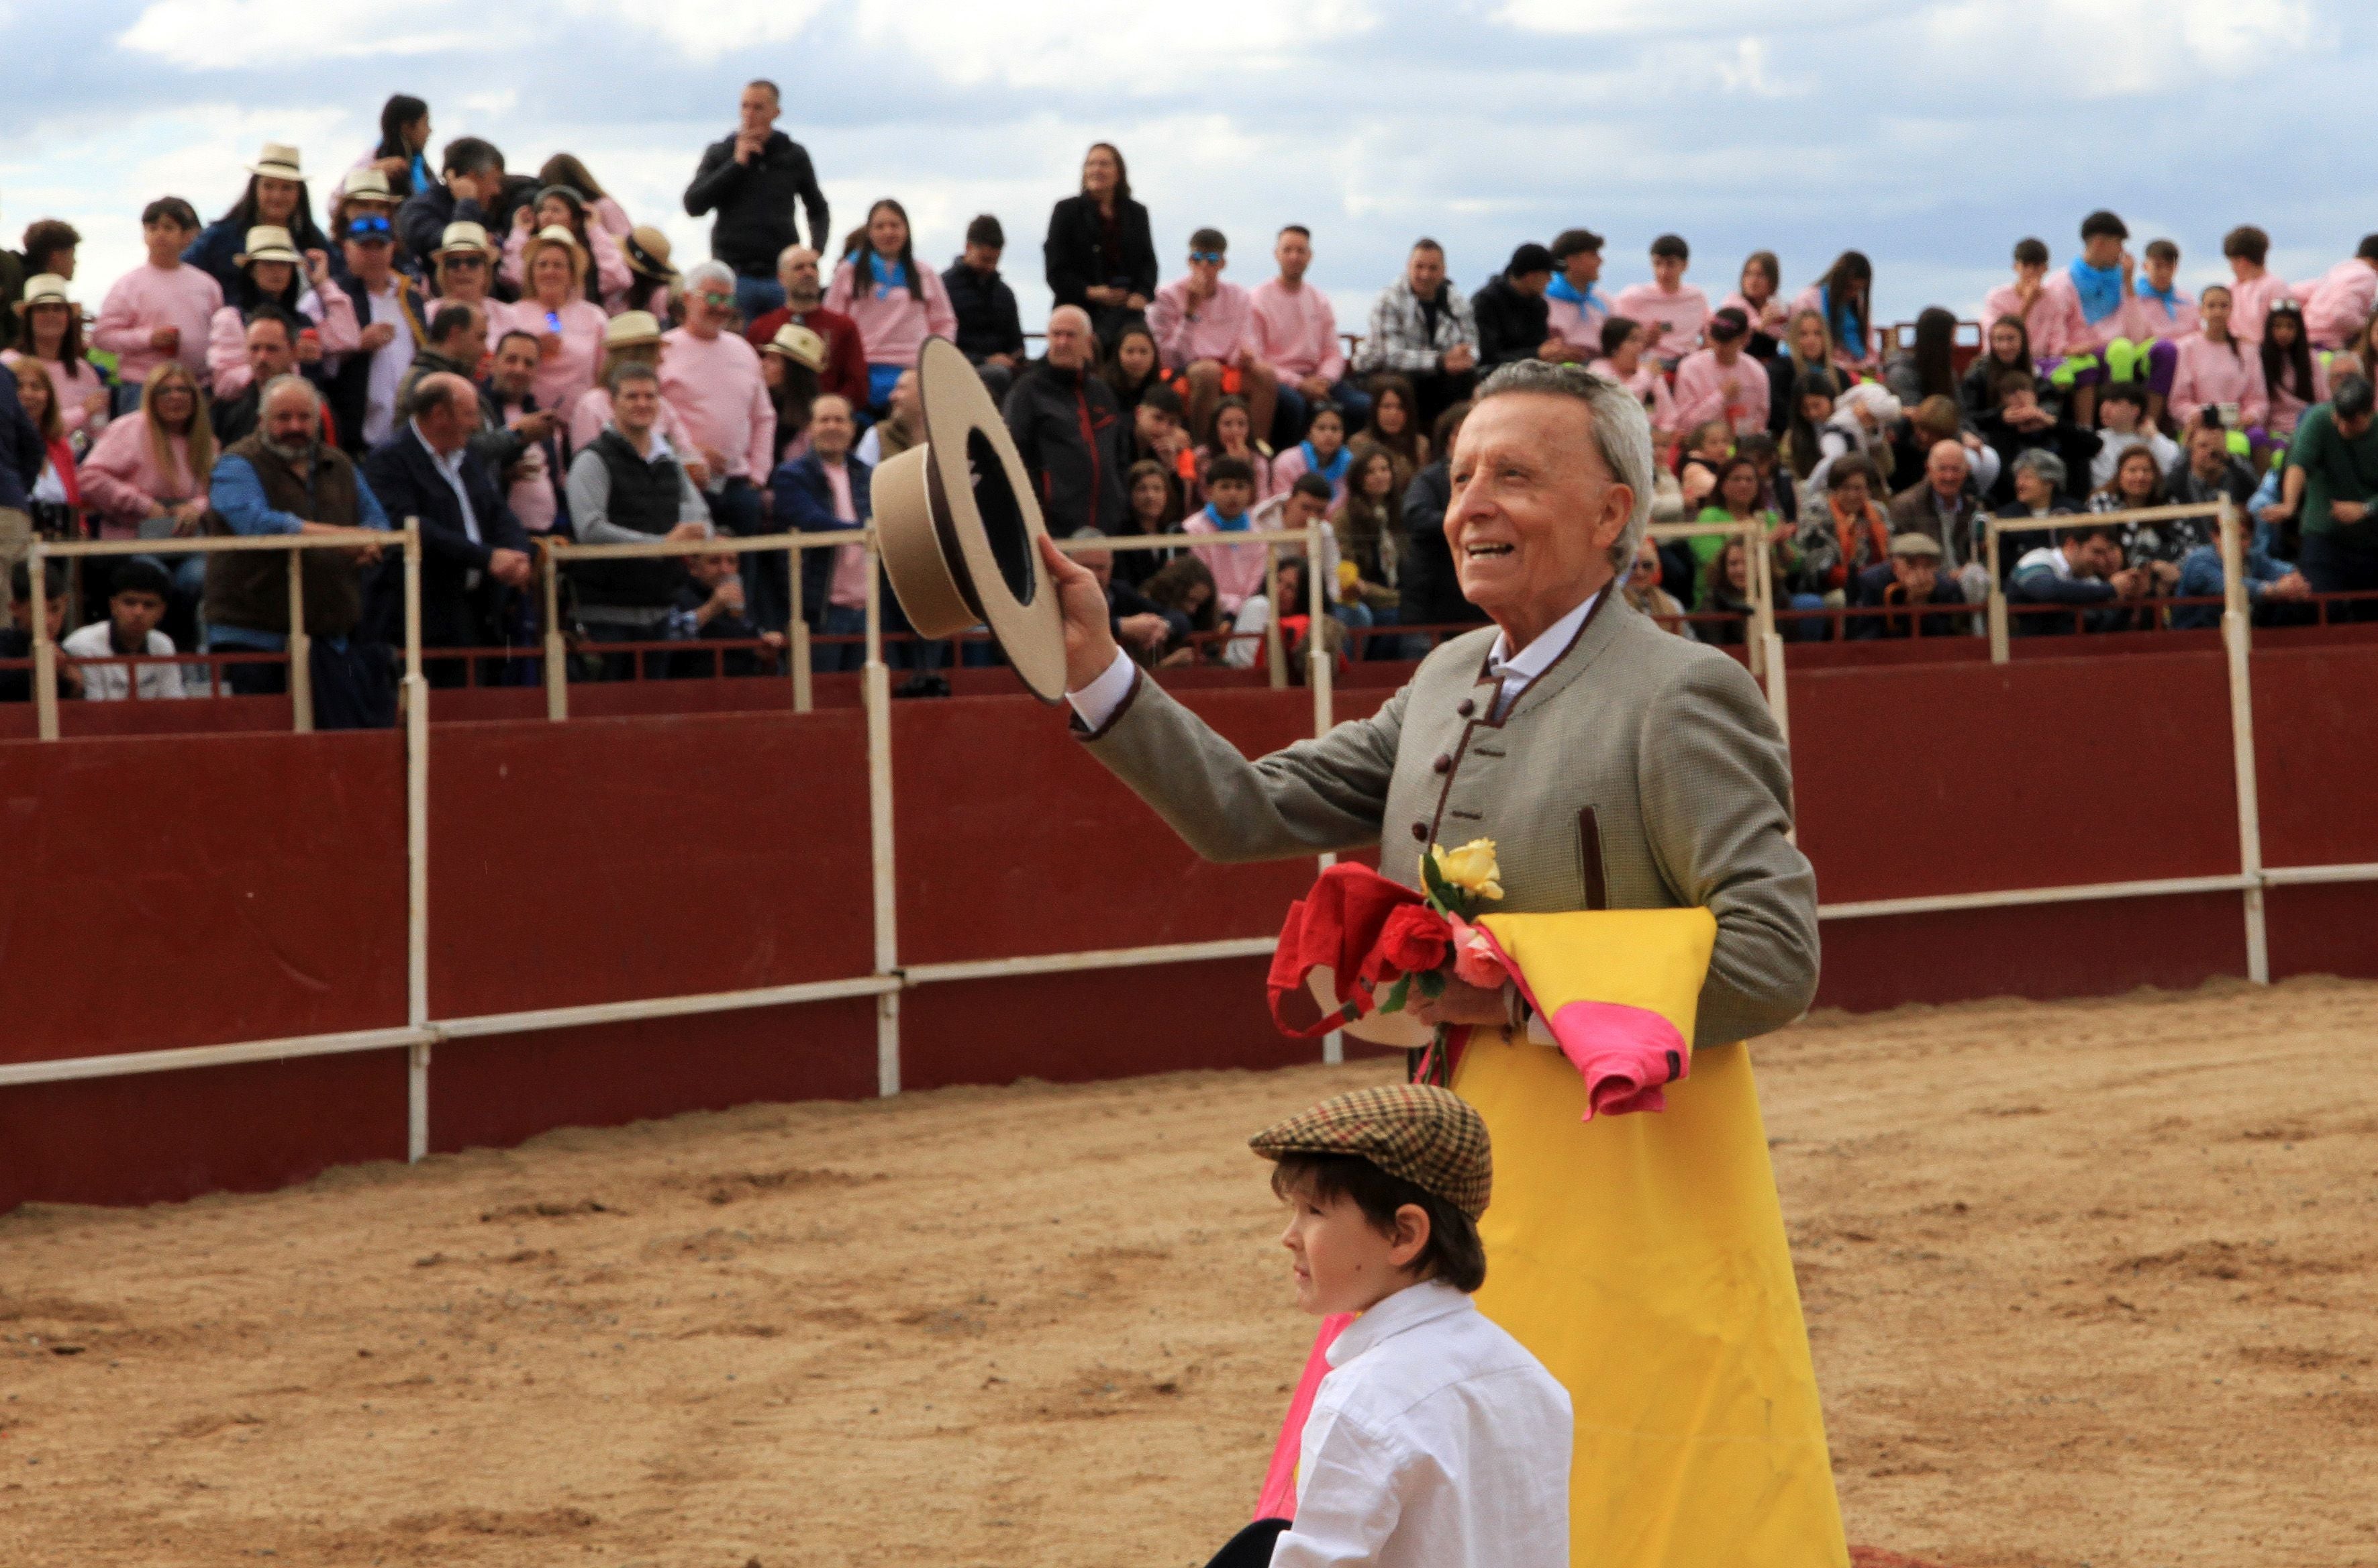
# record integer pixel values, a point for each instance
(1101, 565)
(1583, 268)
(2101, 250)
(1154, 424)
(755, 112)
(1946, 468)
(1205, 268)
(905, 405)
(982, 257)
(710, 570)
(799, 274)
(2355, 426)
(447, 427)
(1534, 510)
(1294, 254)
(289, 419)
(1424, 269)
(1069, 339)
(2121, 415)
(1532, 284)
(830, 428)
(367, 257)
(270, 353)
(1916, 575)
(708, 309)
(2030, 272)
(1301, 510)
(136, 615)
(636, 404)
(515, 366)
(2100, 557)
(2208, 452)
(1668, 271)
(2159, 269)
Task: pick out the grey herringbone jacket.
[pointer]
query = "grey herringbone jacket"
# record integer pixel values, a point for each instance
(1640, 771)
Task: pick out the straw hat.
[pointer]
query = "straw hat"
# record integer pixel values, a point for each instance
(553, 234)
(464, 237)
(279, 162)
(648, 254)
(43, 289)
(270, 242)
(961, 531)
(797, 343)
(629, 328)
(366, 183)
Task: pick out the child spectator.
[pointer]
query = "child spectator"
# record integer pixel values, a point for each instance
(1395, 425)
(1670, 309)
(1721, 381)
(2293, 377)
(1206, 328)
(1183, 588)
(1435, 1438)
(896, 303)
(1133, 366)
(989, 331)
(136, 604)
(1725, 590)
(1626, 358)
(2246, 248)
(1758, 294)
(1573, 311)
(568, 171)
(607, 279)
(50, 336)
(162, 308)
(17, 637)
(1807, 351)
(2214, 371)
(1152, 492)
(1841, 297)
(2342, 302)
(2123, 413)
(2006, 355)
(1234, 437)
(2161, 314)
(2094, 290)
(2051, 320)
(1322, 451)
(54, 497)
(1158, 431)
(1238, 569)
(1369, 526)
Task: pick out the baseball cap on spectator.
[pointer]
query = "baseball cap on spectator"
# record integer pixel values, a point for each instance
(1529, 258)
(1916, 546)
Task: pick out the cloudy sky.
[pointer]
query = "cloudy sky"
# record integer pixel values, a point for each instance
(1931, 134)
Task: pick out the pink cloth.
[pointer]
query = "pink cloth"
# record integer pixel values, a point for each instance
(147, 298)
(1684, 313)
(563, 376)
(892, 322)
(2251, 300)
(1238, 569)
(611, 274)
(2150, 320)
(333, 320)
(69, 388)
(1278, 1499)
(2054, 319)
(1576, 325)
(612, 218)
(1707, 389)
(1296, 332)
(723, 397)
(2207, 372)
(1624, 1054)
(2090, 337)
(2285, 408)
(1287, 468)
(531, 496)
(593, 411)
(121, 479)
(848, 588)
(2341, 303)
(1774, 320)
(1222, 327)
(1650, 387)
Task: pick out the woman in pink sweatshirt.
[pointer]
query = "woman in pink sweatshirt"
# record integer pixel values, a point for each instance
(52, 336)
(267, 275)
(2293, 375)
(555, 311)
(152, 468)
(1622, 360)
(2216, 369)
(896, 303)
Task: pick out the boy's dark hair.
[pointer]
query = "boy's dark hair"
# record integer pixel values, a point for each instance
(2124, 392)
(1323, 405)
(2164, 250)
(450, 319)
(183, 214)
(2103, 222)
(140, 576)
(1453, 1254)
(1572, 242)
(1312, 485)
(20, 581)
(2368, 249)
(2087, 533)
(46, 236)
(2017, 380)
(1616, 330)
(1229, 470)
(1164, 400)
(1209, 239)
(985, 229)
(2030, 252)
(2247, 243)
(1758, 444)
(1671, 244)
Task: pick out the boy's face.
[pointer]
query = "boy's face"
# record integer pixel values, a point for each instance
(2102, 251)
(2030, 272)
(21, 614)
(136, 615)
(166, 238)
(2159, 271)
(1668, 270)
(982, 257)
(2121, 415)
(1230, 496)
(1344, 1265)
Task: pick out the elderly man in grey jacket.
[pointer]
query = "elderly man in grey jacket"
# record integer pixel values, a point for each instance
(1614, 766)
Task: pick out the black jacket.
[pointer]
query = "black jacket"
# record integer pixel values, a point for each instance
(1879, 589)
(1078, 255)
(220, 241)
(22, 452)
(421, 223)
(1074, 442)
(2074, 446)
(1432, 589)
(988, 322)
(455, 612)
(754, 203)
(1511, 325)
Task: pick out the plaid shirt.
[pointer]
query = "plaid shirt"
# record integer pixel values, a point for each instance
(1400, 339)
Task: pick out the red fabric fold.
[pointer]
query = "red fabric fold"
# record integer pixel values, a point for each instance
(1337, 925)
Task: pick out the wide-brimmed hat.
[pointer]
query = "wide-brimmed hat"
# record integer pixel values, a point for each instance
(365, 184)
(648, 254)
(961, 530)
(631, 327)
(797, 343)
(270, 242)
(464, 235)
(43, 289)
(553, 234)
(277, 161)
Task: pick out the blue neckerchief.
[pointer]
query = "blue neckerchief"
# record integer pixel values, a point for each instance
(1238, 524)
(2101, 288)
(886, 277)
(1562, 289)
(421, 178)
(1852, 331)
(1335, 472)
(2170, 296)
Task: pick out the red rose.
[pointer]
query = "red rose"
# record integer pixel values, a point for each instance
(1414, 941)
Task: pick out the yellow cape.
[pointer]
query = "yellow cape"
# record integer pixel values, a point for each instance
(1642, 1258)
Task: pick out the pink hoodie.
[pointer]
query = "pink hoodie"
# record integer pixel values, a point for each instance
(2286, 406)
(333, 320)
(1650, 387)
(2054, 322)
(1220, 329)
(2150, 320)
(69, 390)
(121, 480)
(2340, 304)
(1774, 320)
(1683, 313)
(2250, 301)
(892, 322)
(1707, 390)
(722, 396)
(2210, 373)
(147, 298)
(1296, 332)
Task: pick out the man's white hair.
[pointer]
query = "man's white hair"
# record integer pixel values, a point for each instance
(716, 274)
(290, 381)
(1622, 432)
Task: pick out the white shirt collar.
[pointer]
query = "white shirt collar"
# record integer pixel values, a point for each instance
(1406, 1309)
(449, 463)
(1539, 654)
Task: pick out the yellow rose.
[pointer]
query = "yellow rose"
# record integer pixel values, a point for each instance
(1471, 868)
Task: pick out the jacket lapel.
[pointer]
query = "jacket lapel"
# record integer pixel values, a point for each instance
(1604, 624)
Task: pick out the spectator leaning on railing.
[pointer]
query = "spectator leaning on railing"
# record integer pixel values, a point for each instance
(2330, 488)
(2083, 570)
(628, 486)
(137, 594)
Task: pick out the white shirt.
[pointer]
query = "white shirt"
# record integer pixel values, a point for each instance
(449, 463)
(1537, 656)
(388, 364)
(1435, 1442)
(112, 683)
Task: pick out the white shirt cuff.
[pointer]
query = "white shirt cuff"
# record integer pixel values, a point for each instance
(1096, 703)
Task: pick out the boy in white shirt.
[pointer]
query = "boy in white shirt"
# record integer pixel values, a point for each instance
(1435, 1441)
(135, 603)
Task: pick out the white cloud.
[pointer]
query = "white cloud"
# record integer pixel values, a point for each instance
(225, 33)
(1623, 19)
(1747, 73)
(1127, 50)
(2123, 48)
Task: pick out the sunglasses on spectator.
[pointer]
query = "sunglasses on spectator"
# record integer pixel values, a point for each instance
(1205, 256)
(372, 226)
(715, 300)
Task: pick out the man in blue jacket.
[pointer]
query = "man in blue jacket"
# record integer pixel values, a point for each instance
(823, 491)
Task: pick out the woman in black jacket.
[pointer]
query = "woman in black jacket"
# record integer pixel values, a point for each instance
(1098, 253)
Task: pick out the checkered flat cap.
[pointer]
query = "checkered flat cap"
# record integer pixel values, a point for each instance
(1428, 1136)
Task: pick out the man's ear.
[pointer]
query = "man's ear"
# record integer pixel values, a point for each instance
(1410, 1236)
(1618, 505)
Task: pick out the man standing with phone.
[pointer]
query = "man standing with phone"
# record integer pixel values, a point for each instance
(751, 180)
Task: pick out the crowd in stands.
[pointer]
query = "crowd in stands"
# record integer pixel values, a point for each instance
(513, 361)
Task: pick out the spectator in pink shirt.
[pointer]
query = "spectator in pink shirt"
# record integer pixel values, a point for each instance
(1238, 569)
(1576, 310)
(1623, 360)
(558, 206)
(555, 310)
(2050, 322)
(1721, 381)
(146, 476)
(2161, 313)
(633, 338)
(2216, 372)
(1842, 297)
(896, 303)
(2094, 288)
(1670, 310)
(270, 274)
(2342, 302)
(162, 308)
(712, 377)
(2246, 248)
(566, 169)
(49, 334)
(1204, 327)
(1758, 295)
(1296, 335)
(2293, 377)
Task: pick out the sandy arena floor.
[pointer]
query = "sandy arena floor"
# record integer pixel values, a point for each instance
(2089, 1284)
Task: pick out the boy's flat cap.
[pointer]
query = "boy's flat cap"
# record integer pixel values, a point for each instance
(1428, 1136)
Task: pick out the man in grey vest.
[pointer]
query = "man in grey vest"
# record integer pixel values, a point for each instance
(628, 486)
